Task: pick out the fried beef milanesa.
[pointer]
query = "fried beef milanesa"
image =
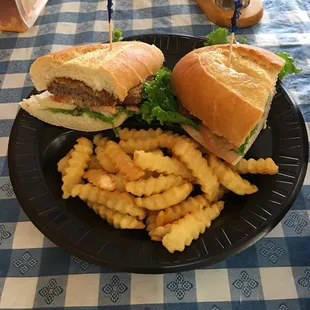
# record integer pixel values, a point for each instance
(92, 87)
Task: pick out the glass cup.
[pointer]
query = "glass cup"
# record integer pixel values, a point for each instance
(228, 5)
(19, 15)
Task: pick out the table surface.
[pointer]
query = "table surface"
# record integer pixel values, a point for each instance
(34, 273)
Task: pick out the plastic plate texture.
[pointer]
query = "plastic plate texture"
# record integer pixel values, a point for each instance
(36, 147)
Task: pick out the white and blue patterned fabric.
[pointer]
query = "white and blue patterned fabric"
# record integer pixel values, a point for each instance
(273, 274)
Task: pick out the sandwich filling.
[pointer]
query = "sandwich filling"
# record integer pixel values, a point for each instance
(221, 146)
(61, 105)
(84, 96)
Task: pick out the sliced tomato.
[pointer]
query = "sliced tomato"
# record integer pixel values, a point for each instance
(133, 108)
(105, 109)
(218, 145)
(62, 99)
(113, 110)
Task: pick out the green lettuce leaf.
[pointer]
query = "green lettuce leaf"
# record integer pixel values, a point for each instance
(241, 150)
(289, 67)
(243, 40)
(118, 35)
(220, 36)
(80, 111)
(159, 102)
(93, 114)
(173, 117)
(217, 36)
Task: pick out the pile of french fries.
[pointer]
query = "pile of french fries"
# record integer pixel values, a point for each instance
(134, 185)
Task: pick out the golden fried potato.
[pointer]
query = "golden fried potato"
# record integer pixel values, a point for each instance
(150, 174)
(123, 162)
(64, 163)
(99, 140)
(168, 198)
(131, 145)
(169, 139)
(260, 166)
(152, 185)
(100, 178)
(158, 152)
(80, 156)
(119, 182)
(161, 164)
(199, 167)
(105, 161)
(117, 219)
(151, 221)
(184, 231)
(229, 178)
(175, 212)
(212, 212)
(117, 201)
(188, 228)
(220, 193)
(157, 233)
(94, 163)
(142, 134)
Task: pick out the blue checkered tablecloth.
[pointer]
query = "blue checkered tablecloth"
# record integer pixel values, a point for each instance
(273, 274)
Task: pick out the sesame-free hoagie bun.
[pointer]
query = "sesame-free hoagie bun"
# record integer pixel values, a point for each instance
(91, 87)
(115, 71)
(229, 99)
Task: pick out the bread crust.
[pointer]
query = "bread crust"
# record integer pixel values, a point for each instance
(81, 123)
(117, 71)
(199, 81)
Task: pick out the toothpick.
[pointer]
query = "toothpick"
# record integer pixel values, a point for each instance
(111, 34)
(110, 11)
(231, 42)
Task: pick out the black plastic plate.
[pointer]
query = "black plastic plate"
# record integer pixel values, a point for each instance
(35, 148)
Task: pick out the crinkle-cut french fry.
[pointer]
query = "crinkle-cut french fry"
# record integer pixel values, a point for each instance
(142, 134)
(104, 160)
(163, 140)
(117, 201)
(184, 231)
(157, 233)
(199, 167)
(123, 162)
(117, 219)
(260, 166)
(151, 222)
(155, 238)
(212, 212)
(77, 164)
(152, 212)
(148, 174)
(131, 145)
(220, 193)
(169, 139)
(158, 152)
(161, 164)
(99, 140)
(188, 228)
(178, 211)
(151, 218)
(119, 182)
(229, 178)
(64, 163)
(100, 178)
(94, 163)
(152, 185)
(167, 199)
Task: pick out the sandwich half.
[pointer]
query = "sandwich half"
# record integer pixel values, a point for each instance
(232, 101)
(90, 87)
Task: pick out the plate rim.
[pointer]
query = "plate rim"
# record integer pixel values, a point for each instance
(204, 261)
